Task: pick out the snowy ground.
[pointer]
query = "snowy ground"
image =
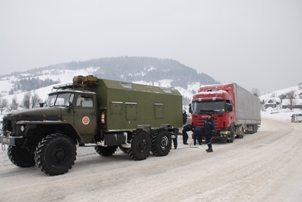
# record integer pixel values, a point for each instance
(283, 114)
(265, 166)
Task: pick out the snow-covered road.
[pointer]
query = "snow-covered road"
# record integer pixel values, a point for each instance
(265, 166)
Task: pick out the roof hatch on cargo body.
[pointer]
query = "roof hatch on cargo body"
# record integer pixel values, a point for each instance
(167, 90)
(126, 85)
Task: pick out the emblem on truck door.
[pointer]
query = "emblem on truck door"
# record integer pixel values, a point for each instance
(85, 120)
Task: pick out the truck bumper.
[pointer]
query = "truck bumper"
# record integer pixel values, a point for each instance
(11, 140)
(223, 137)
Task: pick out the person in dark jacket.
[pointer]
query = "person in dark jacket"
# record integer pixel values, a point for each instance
(209, 129)
(186, 128)
(174, 140)
(197, 135)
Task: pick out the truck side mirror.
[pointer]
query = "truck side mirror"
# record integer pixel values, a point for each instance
(190, 109)
(41, 104)
(229, 108)
(70, 104)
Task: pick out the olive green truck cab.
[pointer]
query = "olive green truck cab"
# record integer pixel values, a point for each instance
(95, 112)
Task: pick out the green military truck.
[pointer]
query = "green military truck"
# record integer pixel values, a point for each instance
(95, 112)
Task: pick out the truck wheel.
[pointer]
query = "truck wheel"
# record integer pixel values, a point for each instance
(161, 143)
(140, 146)
(241, 132)
(21, 157)
(105, 151)
(255, 128)
(55, 154)
(232, 135)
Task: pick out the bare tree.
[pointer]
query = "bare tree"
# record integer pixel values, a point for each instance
(300, 86)
(35, 100)
(3, 104)
(291, 97)
(30, 101)
(282, 97)
(14, 105)
(255, 92)
(26, 100)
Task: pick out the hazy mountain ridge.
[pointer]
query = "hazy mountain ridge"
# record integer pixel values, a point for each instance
(144, 70)
(137, 68)
(150, 71)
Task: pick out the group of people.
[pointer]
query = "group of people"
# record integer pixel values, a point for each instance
(208, 129)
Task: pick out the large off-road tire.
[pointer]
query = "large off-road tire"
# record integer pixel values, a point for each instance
(161, 143)
(105, 151)
(140, 146)
(55, 154)
(21, 157)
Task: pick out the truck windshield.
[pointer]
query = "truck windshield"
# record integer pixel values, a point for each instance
(60, 99)
(211, 106)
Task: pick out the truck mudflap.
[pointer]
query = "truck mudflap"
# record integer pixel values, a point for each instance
(11, 140)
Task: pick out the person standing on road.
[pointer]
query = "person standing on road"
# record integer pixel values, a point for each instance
(186, 128)
(209, 129)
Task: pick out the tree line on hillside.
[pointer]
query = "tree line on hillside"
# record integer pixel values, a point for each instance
(135, 69)
(28, 84)
(129, 69)
(33, 100)
(29, 101)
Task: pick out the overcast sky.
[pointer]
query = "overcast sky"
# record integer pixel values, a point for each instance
(255, 43)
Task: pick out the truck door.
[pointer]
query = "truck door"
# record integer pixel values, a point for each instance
(85, 117)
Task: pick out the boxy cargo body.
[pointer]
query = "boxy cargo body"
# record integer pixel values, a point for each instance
(106, 114)
(247, 107)
(128, 105)
(235, 110)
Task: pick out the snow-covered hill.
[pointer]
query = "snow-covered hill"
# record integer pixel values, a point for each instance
(150, 71)
(144, 70)
(66, 76)
(274, 97)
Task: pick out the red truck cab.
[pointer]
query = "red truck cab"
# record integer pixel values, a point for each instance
(236, 111)
(218, 100)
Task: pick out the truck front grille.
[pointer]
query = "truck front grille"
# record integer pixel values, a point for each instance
(7, 126)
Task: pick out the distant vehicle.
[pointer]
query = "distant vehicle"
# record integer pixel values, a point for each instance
(105, 114)
(236, 111)
(296, 118)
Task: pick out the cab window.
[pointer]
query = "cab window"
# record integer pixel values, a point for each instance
(84, 101)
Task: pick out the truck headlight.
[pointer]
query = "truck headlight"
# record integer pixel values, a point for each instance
(224, 132)
(22, 128)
